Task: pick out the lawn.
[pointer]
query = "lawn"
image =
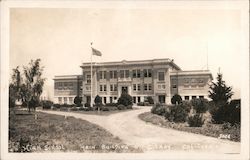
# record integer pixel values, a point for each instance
(54, 133)
(213, 130)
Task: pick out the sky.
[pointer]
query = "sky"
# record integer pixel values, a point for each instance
(62, 37)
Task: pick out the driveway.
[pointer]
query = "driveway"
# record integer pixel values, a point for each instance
(151, 138)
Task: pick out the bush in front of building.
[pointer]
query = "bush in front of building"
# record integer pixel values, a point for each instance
(200, 105)
(125, 99)
(177, 113)
(195, 120)
(158, 109)
(46, 104)
(111, 104)
(150, 100)
(224, 113)
(78, 101)
(176, 99)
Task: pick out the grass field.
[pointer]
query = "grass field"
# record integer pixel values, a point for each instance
(213, 130)
(53, 133)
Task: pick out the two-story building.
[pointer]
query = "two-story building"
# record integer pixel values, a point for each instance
(158, 78)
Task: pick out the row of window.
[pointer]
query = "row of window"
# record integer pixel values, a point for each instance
(126, 74)
(111, 100)
(147, 87)
(66, 100)
(192, 97)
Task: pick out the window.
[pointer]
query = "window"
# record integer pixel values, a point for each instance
(161, 76)
(60, 100)
(138, 99)
(121, 73)
(113, 74)
(193, 97)
(88, 88)
(134, 87)
(186, 97)
(127, 74)
(149, 87)
(88, 78)
(115, 98)
(147, 73)
(134, 99)
(174, 86)
(102, 74)
(101, 88)
(145, 87)
(104, 87)
(104, 100)
(138, 87)
(110, 99)
(201, 97)
(71, 85)
(65, 100)
(113, 87)
(163, 86)
(136, 73)
(70, 100)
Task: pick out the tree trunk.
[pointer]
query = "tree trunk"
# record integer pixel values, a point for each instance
(28, 106)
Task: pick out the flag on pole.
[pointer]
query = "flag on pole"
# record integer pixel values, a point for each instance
(96, 52)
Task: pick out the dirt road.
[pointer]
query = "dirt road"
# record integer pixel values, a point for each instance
(151, 138)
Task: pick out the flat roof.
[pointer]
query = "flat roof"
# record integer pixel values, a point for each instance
(67, 77)
(136, 62)
(191, 72)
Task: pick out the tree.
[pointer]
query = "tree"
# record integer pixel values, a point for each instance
(15, 87)
(78, 101)
(219, 92)
(125, 99)
(98, 101)
(33, 84)
(176, 99)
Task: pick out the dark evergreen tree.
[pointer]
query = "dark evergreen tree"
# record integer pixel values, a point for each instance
(176, 99)
(219, 92)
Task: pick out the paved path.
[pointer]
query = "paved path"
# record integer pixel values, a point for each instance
(151, 138)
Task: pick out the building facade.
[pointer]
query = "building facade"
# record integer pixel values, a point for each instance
(158, 78)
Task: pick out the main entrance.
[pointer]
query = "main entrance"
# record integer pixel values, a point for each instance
(161, 98)
(124, 89)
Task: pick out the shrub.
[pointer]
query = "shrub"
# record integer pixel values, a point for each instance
(125, 99)
(140, 104)
(195, 121)
(57, 106)
(111, 104)
(121, 107)
(98, 100)
(177, 113)
(87, 104)
(187, 105)
(176, 99)
(129, 107)
(78, 101)
(150, 100)
(158, 109)
(223, 113)
(105, 109)
(200, 105)
(47, 104)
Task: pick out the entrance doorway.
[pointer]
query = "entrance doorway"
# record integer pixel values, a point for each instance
(124, 89)
(161, 98)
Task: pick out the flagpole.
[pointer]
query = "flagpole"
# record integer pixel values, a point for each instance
(91, 79)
